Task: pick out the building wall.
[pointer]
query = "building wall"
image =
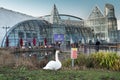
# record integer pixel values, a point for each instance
(98, 26)
(111, 22)
(104, 25)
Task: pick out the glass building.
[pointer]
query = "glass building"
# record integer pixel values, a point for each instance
(104, 25)
(64, 29)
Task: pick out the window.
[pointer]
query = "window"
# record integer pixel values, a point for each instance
(28, 35)
(35, 35)
(20, 34)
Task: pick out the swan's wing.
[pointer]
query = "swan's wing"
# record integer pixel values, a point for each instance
(53, 65)
(50, 65)
(58, 65)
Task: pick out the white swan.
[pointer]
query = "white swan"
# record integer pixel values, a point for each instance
(54, 65)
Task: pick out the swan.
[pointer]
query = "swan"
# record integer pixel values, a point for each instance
(54, 65)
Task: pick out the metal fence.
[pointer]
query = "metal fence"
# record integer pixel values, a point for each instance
(38, 53)
(88, 49)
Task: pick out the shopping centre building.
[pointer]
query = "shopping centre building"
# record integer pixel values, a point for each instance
(63, 29)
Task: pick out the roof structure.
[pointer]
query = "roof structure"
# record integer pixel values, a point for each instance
(9, 18)
(55, 18)
(110, 6)
(96, 13)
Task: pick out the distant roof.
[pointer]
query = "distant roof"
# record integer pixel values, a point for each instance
(96, 13)
(110, 6)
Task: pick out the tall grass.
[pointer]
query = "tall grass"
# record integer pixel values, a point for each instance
(7, 59)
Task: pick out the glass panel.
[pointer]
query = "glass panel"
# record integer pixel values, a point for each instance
(35, 35)
(28, 35)
(26, 26)
(21, 27)
(20, 34)
(31, 26)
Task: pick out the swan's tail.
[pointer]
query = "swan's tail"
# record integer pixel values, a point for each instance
(45, 68)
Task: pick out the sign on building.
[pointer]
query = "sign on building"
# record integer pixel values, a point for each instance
(58, 37)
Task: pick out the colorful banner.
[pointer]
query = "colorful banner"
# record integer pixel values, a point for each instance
(73, 53)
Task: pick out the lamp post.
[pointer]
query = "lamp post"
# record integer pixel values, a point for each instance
(6, 27)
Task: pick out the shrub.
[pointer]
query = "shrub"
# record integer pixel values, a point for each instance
(105, 60)
(67, 63)
(101, 60)
(81, 60)
(116, 65)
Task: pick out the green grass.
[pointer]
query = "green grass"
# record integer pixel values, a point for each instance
(18, 71)
(24, 74)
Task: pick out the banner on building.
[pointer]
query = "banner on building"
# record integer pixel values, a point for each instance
(58, 37)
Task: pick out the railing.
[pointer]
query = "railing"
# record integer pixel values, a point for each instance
(88, 49)
(38, 53)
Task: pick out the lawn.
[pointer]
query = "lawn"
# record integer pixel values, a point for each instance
(25, 74)
(100, 66)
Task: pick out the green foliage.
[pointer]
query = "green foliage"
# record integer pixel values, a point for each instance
(2, 77)
(100, 60)
(116, 65)
(67, 63)
(105, 60)
(22, 69)
(14, 74)
(81, 60)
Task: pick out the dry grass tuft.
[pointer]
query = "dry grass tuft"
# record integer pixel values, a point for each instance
(26, 62)
(9, 59)
(6, 58)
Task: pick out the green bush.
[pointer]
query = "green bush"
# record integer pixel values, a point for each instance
(100, 60)
(116, 65)
(105, 60)
(81, 60)
(67, 63)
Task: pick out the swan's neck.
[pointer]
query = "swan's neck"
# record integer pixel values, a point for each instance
(56, 57)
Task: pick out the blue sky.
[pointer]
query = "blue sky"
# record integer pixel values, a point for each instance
(80, 8)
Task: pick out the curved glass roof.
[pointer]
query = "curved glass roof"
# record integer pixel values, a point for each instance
(27, 30)
(41, 30)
